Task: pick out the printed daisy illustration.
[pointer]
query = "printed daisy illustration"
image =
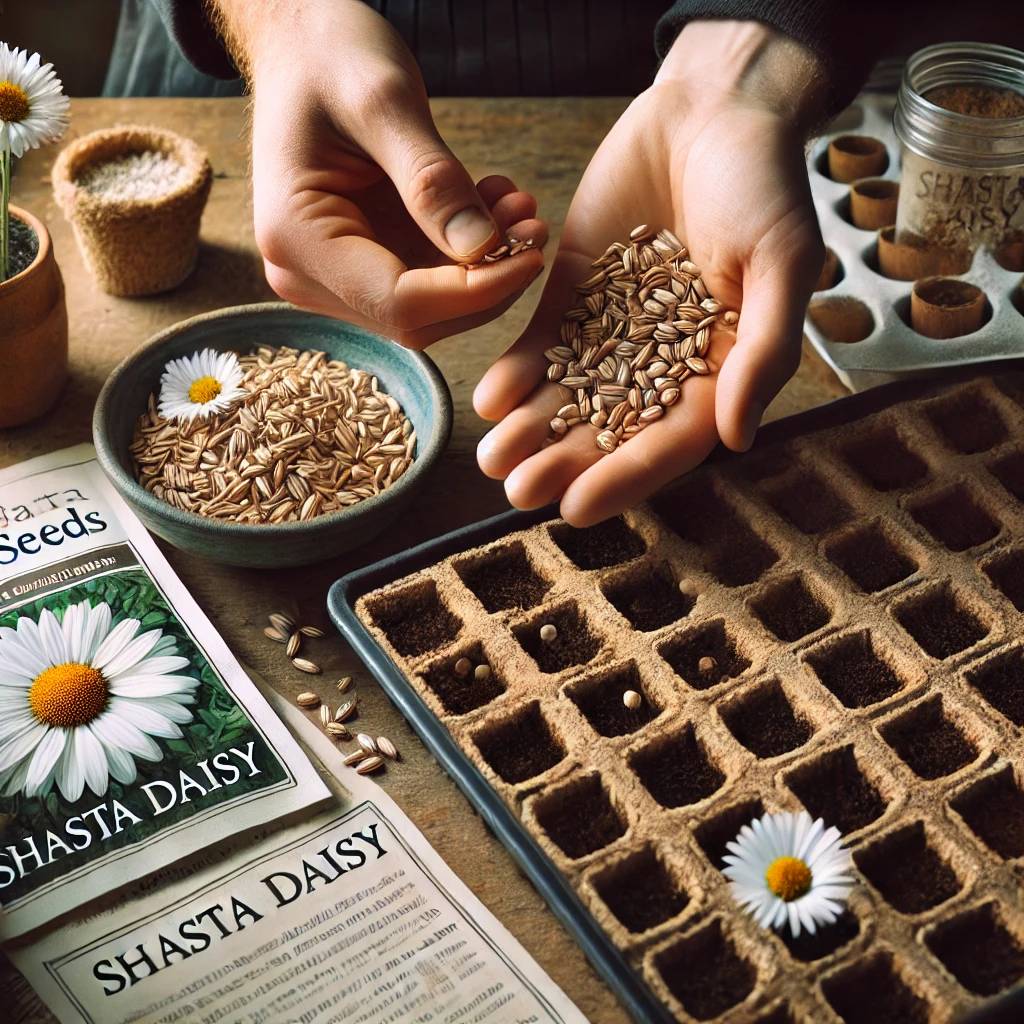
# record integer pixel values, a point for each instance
(787, 868)
(200, 385)
(32, 107)
(81, 701)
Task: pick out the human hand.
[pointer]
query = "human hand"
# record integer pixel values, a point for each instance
(361, 210)
(713, 151)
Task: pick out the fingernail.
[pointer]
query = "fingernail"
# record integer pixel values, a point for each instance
(751, 423)
(468, 230)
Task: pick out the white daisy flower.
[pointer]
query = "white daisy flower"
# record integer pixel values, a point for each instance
(200, 385)
(33, 109)
(787, 868)
(80, 701)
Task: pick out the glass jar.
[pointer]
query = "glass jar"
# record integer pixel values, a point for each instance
(962, 182)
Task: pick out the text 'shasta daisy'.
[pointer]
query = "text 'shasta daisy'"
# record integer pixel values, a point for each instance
(197, 386)
(788, 868)
(80, 700)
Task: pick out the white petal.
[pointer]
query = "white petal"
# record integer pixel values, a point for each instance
(134, 652)
(16, 750)
(118, 729)
(93, 760)
(120, 763)
(116, 641)
(44, 759)
(145, 718)
(70, 773)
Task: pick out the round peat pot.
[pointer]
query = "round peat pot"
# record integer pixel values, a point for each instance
(410, 377)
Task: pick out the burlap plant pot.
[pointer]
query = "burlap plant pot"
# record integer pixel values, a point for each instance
(134, 246)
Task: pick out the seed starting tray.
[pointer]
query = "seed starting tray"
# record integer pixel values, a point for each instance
(860, 580)
(890, 348)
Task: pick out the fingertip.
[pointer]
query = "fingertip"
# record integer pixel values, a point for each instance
(487, 456)
(494, 186)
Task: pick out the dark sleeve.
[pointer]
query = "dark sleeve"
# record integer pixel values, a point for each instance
(188, 25)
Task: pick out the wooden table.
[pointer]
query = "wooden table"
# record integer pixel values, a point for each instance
(544, 145)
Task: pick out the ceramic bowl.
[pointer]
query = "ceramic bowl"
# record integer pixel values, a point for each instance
(411, 377)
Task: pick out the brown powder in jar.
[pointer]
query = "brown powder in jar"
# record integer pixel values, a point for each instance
(977, 100)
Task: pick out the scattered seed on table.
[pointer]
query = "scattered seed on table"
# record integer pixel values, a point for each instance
(325, 715)
(345, 710)
(482, 672)
(463, 666)
(337, 731)
(356, 756)
(306, 666)
(687, 587)
(344, 684)
(307, 700)
(367, 742)
(370, 764)
(632, 699)
(707, 664)
(294, 643)
(311, 631)
(282, 623)
(548, 633)
(387, 748)
(272, 634)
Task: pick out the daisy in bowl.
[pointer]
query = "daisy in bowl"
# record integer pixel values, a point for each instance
(197, 386)
(788, 868)
(80, 700)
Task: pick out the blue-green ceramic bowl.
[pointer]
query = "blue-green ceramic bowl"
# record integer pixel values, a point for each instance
(411, 377)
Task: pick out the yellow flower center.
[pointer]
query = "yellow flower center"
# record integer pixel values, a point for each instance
(789, 878)
(204, 390)
(13, 102)
(68, 695)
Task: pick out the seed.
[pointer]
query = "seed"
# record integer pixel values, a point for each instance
(370, 764)
(306, 666)
(282, 623)
(356, 756)
(482, 672)
(311, 631)
(344, 684)
(387, 748)
(606, 440)
(687, 587)
(325, 715)
(463, 666)
(558, 425)
(272, 634)
(632, 699)
(367, 742)
(307, 700)
(294, 643)
(345, 710)
(338, 731)
(548, 633)
(707, 664)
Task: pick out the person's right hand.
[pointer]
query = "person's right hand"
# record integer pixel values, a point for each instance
(361, 210)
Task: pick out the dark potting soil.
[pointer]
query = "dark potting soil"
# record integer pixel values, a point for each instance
(24, 246)
(908, 871)
(939, 624)
(714, 835)
(834, 789)
(871, 992)
(677, 771)
(790, 610)
(417, 620)
(826, 939)
(994, 810)
(929, 742)
(460, 694)
(871, 560)
(579, 818)
(521, 747)
(684, 654)
(706, 974)
(765, 722)
(1001, 682)
(649, 598)
(956, 521)
(641, 893)
(574, 644)
(1007, 575)
(979, 952)
(600, 702)
(852, 670)
(884, 461)
(505, 579)
(597, 547)
(809, 504)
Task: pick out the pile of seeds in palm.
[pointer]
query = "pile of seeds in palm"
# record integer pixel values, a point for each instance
(641, 326)
(513, 247)
(313, 436)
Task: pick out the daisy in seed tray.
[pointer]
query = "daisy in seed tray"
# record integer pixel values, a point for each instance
(789, 869)
(201, 385)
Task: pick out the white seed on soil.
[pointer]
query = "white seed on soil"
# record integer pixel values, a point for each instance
(463, 666)
(306, 666)
(482, 672)
(387, 748)
(632, 699)
(311, 631)
(548, 633)
(325, 715)
(307, 700)
(707, 665)
(282, 623)
(344, 684)
(367, 742)
(687, 587)
(345, 711)
(356, 756)
(337, 731)
(294, 643)
(272, 634)
(370, 764)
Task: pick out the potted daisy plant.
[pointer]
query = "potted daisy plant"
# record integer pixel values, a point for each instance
(33, 317)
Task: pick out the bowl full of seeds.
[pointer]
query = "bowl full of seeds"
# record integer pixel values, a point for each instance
(265, 436)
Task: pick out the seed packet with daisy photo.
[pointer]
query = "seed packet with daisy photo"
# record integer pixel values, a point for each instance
(130, 736)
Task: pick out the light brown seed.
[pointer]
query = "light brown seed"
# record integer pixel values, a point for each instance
(272, 634)
(606, 440)
(311, 631)
(367, 742)
(344, 683)
(282, 623)
(356, 756)
(337, 731)
(463, 666)
(482, 672)
(387, 748)
(294, 643)
(707, 665)
(632, 699)
(370, 764)
(304, 665)
(325, 715)
(548, 633)
(687, 587)
(346, 710)
(307, 700)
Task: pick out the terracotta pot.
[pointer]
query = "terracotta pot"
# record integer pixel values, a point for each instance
(33, 334)
(134, 246)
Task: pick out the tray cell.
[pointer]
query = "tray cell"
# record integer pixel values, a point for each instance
(780, 1014)
(940, 622)
(826, 939)
(415, 619)
(855, 669)
(790, 609)
(519, 746)
(597, 547)
(574, 644)
(954, 518)
(648, 597)
(873, 990)
(578, 816)
(843, 320)
(1000, 681)
(929, 742)
(883, 460)
(808, 503)
(503, 578)
(833, 787)
(993, 809)
(686, 651)
(1005, 570)
(872, 559)
(676, 769)
(1009, 471)
(460, 694)
(714, 833)
(640, 891)
(979, 950)
(967, 422)
(764, 721)
(599, 698)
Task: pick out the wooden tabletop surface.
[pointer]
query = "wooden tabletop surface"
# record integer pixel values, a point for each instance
(544, 146)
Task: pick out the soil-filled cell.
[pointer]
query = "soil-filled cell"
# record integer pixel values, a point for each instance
(808, 503)
(854, 671)
(704, 657)
(780, 1015)
(939, 623)
(640, 892)
(872, 991)
(765, 723)
(928, 741)
(833, 788)
(790, 609)
(908, 871)
(871, 559)
(825, 940)
(676, 770)
(732, 551)
(1009, 471)
(579, 817)
(1006, 571)
(416, 620)
(596, 547)
(461, 693)
(1000, 680)
(715, 833)
(955, 519)
(599, 699)
(705, 972)
(520, 747)
(648, 597)
(993, 809)
(504, 578)
(884, 461)
(979, 951)
(573, 643)
(967, 423)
